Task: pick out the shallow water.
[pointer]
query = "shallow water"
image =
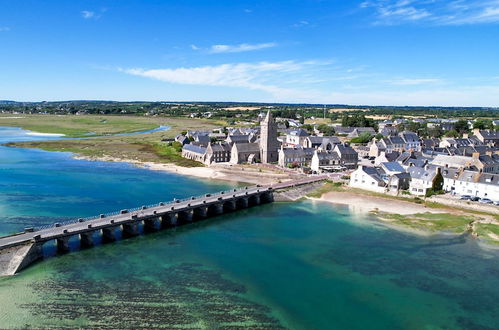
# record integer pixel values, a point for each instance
(305, 265)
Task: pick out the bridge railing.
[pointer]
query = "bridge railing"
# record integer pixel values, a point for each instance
(139, 208)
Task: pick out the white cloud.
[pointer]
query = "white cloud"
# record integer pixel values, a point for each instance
(87, 14)
(194, 47)
(267, 77)
(248, 75)
(413, 81)
(301, 24)
(314, 82)
(457, 12)
(240, 48)
(4, 29)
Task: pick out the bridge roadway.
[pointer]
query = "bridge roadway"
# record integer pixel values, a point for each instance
(121, 219)
(20, 250)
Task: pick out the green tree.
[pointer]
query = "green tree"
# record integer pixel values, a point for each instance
(461, 126)
(452, 133)
(325, 129)
(309, 128)
(482, 123)
(362, 138)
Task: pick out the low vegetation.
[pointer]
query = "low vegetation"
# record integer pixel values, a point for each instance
(141, 147)
(431, 221)
(327, 187)
(81, 126)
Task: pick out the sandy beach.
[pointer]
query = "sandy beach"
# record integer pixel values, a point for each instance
(365, 203)
(219, 172)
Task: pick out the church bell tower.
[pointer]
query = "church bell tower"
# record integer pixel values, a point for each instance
(268, 140)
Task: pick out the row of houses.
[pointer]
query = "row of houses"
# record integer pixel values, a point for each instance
(418, 174)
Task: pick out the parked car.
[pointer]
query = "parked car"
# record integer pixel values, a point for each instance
(465, 197)
(496, 203)
(475, 199)
(486, 201)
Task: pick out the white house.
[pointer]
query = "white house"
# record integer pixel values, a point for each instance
(483, 185)
(368, 178)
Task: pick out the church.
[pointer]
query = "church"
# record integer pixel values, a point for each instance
(240, 148)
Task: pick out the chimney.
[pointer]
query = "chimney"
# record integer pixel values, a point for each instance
(475, 155)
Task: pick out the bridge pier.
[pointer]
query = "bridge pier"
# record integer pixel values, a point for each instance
(200, 212)
(131, 229)
(27, 246)
(184, 216)
(168, 220)
(63, 244)
(254, 200)
(151, 224)
(267, 197)
(242, 202)
(87, 239)
(109, 234)
(216, 209)
(230, 206)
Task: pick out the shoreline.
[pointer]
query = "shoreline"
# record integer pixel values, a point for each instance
(205, 172)
(387, 211)
(360, 204)
(384, 208)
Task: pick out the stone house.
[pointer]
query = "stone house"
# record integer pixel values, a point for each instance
(194, 152)
(325, 161)
(297, 156)
(217, 153)
(245, 153)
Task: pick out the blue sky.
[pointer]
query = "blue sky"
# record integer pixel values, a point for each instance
(379, 52)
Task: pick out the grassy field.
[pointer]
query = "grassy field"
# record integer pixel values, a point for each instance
(431, 221)
(488, 232)
(142, 147)
(81, 126)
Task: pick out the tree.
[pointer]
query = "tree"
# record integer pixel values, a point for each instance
(309, 128)
(461, 126)
(434, 132)
(362, 138)
(413, 126)
(379, 136)
(357, 121)
(326, 129)
(302, 120)
(482, 123)
(452, 133)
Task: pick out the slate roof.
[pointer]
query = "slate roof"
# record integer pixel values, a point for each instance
(487, 178)
(410, 137)
(195, 148)
(345, 150)
(299, 132)
(392, 167)
(328, 155)
(421, 173)
(451, 161)
(239, 138)
(247, 147)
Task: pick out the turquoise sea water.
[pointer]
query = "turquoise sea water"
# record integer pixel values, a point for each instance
(306, 265)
